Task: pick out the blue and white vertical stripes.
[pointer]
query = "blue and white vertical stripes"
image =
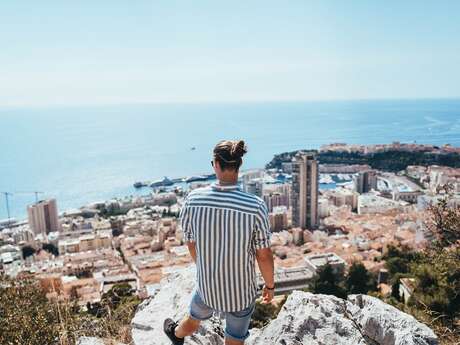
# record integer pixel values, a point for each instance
(227, 226)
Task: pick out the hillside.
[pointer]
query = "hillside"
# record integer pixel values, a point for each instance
(389, 160)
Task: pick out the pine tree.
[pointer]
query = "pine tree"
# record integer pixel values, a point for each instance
(328, 282)
(359, 280)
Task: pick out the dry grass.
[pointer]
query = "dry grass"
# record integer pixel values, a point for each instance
(28, 318)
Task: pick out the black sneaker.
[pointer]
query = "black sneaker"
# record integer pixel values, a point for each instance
(168, 327)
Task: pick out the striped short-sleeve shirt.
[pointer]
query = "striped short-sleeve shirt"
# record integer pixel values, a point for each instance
(227, 226)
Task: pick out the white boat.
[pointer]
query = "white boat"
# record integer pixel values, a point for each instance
(161, 183)
(196, 178)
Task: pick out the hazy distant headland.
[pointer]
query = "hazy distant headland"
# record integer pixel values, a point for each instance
(389, 157)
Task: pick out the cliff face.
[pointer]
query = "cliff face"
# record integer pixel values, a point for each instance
(305, 319)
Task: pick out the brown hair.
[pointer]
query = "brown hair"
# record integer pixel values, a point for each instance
(229, 153)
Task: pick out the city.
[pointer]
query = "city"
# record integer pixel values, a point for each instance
(320, 214)
(230, 173)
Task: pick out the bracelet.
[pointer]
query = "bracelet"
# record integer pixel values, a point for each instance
(266, 287)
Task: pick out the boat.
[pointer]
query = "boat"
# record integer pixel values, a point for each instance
(193, 148)
(139, 184)
(196, 178)
(178, 180)
(161, 183)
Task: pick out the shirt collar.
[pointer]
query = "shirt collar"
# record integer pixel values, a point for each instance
(227, 187)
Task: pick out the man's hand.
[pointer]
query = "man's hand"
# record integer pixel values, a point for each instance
(267, 295)
(192, 250)
(266, 266)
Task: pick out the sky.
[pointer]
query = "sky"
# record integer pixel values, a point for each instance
(90, 52)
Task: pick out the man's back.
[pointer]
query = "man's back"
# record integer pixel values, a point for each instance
(226, 231)
(227, 226)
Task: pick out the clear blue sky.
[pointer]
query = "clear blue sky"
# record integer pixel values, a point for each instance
(119, 51)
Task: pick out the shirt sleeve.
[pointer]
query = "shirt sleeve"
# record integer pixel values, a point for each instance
(262, 233)
(185, 221)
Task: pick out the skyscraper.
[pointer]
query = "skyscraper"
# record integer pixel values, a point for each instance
(43, 217)
(255, 187)
(305, 177)
(366, 181)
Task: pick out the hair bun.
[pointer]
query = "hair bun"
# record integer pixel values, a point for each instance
(238, 149)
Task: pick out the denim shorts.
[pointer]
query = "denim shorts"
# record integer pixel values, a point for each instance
(236, 323)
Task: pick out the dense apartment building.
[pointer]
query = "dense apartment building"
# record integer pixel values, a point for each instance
(304, 196)
(43, 217)
(255, 187)
(275, 200)
(278, 219)
(366, 181)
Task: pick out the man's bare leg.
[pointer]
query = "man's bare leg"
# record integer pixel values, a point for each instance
(229, 341)
(187, 326)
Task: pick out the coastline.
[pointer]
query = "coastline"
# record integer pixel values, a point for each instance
(95, 153)
(346, 154)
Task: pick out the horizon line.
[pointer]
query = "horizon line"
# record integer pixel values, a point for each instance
(217, 102)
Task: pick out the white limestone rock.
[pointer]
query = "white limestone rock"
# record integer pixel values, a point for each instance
(387, 325)
(305, 318)
(309, 319)
(172, 301)
(322, 320)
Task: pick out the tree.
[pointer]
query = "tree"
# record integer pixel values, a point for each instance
(328, 282)
(438, 283)
(444, 221)
(435, 270)
(397, 265)
(398, 260)
(27, 251)
(359, 280)
(51, 248)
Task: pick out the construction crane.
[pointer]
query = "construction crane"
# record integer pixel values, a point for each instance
(27, 192)
(8, 194)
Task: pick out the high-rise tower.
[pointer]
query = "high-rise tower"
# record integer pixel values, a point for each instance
(43, 217)
(304, 197)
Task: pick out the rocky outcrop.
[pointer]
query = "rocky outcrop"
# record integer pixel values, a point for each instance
(309, 319)
(172, 301)
(387, 325)
(305, 319)
(361, 320)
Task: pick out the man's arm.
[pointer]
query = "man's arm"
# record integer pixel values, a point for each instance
(266, 264)
(192, 249)
(189, 236)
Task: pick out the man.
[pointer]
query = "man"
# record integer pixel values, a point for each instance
(226, 230)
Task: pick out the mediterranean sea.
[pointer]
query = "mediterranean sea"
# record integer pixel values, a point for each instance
(85, 154)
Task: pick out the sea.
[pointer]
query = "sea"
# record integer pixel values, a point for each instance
(84, 154)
